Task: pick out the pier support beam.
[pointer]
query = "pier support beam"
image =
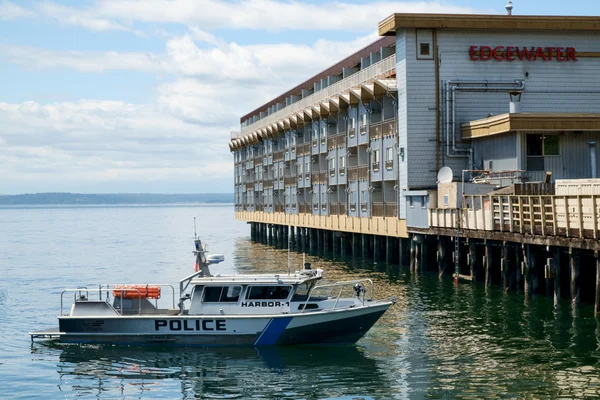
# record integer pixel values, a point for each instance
(364, 246)
(413, 249)
(389, 247)
(556, 270)
(376, 248)
(597, 302)
(504, 267)
(487, 263)
(529, 263)
(424, 254)
(519, 267)
(472, 260)
(574, 274)
(404, 252)
(441, 255)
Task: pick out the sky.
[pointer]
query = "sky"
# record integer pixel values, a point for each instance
(124, 96)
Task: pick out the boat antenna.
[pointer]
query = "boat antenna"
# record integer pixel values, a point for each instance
(195, 235)
(289, 251)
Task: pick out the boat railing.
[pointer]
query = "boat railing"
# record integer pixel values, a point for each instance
(83, 294)
(342, 286)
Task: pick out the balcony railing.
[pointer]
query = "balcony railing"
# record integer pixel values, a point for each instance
(378, 69)
(290, 180)
(278, 156)
(574, 216)
(304, 208)
(356, 173)
(381, 129)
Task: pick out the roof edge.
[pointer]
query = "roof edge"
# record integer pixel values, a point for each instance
(389, 25)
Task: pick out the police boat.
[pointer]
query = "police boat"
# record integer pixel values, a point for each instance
(222, 310)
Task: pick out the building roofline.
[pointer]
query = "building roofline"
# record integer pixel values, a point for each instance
(388, 26)
(531, 122)
(335, 69)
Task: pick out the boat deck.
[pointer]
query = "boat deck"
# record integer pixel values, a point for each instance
(46, 334)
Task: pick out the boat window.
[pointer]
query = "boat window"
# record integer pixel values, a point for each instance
(222, 294)
(302, 291)
(268, 292)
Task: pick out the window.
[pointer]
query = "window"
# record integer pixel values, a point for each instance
(323, 201)
(352, 123)
(376, 156)
(424, 49)
(332, 166)
(423, 201)
(221, 294)
(300, 170)
(411, 202)
(352, 198)
(446, 200)
(342, 165)
(539, 146)
(315, 201)
(389, 158)
(268, 292)
(363, 120)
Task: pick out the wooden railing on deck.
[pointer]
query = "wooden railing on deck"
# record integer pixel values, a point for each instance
(567, 216)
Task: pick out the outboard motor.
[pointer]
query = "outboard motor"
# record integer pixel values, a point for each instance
(307, 265)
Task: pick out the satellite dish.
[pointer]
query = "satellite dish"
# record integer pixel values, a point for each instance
(445, 175)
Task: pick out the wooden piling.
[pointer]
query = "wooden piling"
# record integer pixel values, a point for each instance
(574, 274)
(389, 246)
(364, 246)
(556, 265)
(527, 269)
(424, 255)
(412, 253)
(472, 260)
(487, 263)
(504, 266)
(519, 267)
(417, 257)
(376, 248)
(597, 302)
(441, 256)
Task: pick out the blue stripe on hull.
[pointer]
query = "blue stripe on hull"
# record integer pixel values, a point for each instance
(273, 331)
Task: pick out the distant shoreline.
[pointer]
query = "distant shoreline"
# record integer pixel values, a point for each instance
(41, 199)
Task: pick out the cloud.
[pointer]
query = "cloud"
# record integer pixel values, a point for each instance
(10, 11)
(84, 61)
(272, 64)
(268, 15)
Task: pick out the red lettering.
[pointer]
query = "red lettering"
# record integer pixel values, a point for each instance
(472, 53)
(510, 53)
(540, 54)
(496, 54)
(525, 53)
(482, 53)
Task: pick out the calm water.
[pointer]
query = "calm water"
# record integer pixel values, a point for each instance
(439, 341)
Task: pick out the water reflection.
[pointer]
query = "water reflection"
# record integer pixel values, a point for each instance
(294, 372)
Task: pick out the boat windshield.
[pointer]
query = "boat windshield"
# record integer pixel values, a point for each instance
(302, 291)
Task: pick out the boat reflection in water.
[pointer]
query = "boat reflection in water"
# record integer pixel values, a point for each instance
(306, 371)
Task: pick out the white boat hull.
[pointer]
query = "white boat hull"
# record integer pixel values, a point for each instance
(340, 326)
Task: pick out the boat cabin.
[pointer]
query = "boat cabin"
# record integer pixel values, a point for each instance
(254, 294)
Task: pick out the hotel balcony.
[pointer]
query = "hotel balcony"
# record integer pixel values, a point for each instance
(361, 86)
